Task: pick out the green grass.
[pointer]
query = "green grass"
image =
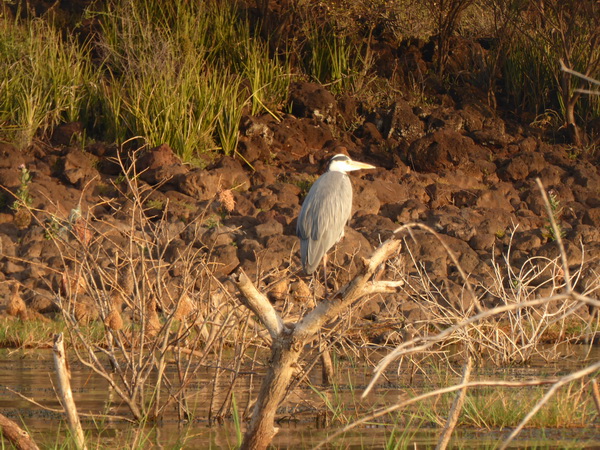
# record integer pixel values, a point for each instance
(497, 408)
(527, 78)
(334, 59)
(183, 73)
(38, 333)
(177, 74)
(45, 78)
(402, 435)
(500, 408)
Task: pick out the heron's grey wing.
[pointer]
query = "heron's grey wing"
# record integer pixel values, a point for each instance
(324, 214)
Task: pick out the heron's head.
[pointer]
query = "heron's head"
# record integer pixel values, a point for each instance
(343, 163)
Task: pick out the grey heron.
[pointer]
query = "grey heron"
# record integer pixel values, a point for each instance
(325, 212)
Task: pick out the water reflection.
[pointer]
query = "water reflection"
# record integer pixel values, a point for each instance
(31, 374)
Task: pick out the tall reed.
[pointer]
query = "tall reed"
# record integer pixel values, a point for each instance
(45, 78)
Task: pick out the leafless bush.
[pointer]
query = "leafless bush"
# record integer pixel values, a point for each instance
(162, 313)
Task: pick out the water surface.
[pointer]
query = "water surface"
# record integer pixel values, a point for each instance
(30, 372)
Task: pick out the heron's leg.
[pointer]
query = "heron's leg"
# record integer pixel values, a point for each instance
(325, 274)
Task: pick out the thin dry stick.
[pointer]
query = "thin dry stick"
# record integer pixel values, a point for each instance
(561, 246)
(64, 389)
(456, 407)
(60, 411)
(564, 68)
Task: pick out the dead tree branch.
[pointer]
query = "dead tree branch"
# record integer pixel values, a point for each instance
(260, 305)
(288, 343)
(64, 389)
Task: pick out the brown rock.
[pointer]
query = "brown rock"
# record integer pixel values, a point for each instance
(279, 289)
(499, 197)
(224, 260)
(441, 150)
(444, 119)
(313, 101)
(522, 166)
(390, 192)
(11, 157)
(219, 236)
(205, 184)
(159, 164)
(67, 133)
(42, 301)
(527, 241)
(403, 122)
(483, 241)
(365, 200)
(301, 293)
(592, 217)
(278, 249)
(270, 228)
(79, 167)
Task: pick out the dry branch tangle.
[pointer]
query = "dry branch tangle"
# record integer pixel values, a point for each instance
(288, 342)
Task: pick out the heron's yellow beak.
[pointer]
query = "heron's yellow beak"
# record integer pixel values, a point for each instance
(356, 165)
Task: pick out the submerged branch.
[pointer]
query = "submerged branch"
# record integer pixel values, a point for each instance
(16, 435)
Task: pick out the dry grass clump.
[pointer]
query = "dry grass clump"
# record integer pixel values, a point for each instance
(532, 311)
(16, 306)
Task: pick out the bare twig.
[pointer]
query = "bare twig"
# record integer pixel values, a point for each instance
(564, 68)
(61, 410)
(596, 394)
(561, 245)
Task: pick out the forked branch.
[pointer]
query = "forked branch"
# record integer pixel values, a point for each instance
(288, 343)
